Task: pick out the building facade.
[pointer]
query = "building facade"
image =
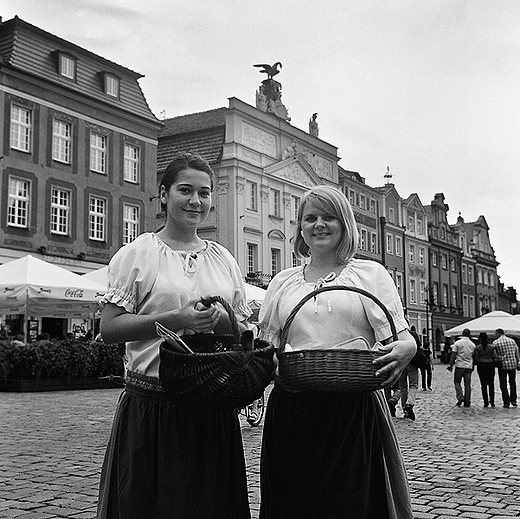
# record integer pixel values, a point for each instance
(79, 152)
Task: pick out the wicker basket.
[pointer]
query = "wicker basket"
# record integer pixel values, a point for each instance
(329, 370)
(221, 374)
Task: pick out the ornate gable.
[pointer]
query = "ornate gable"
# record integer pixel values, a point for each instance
(295, 170)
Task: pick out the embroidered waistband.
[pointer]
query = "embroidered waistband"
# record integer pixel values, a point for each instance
(143, 382)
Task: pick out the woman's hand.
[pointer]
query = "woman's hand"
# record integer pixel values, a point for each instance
(198, 317)
(399, 354)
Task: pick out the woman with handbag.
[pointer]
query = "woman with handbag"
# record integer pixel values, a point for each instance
(485, 357)
(164, 460)
(326, 453)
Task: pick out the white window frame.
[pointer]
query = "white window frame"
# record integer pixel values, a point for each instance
(61, 141)
(67, 66)
(470, 275)
(352, 197)
(132, 163)
(112, 85)
(472, 306)
(363, 239)
(445, 295)
(420, 227)
(362, 202)
(389, 243)
(19, 203)
(373, 242)
(454, 297)
(21, 128)
(411, 253)
(276, 260)
(398, 246)
(391, 215)
(131, 222)
(97, 218)
(422, 255)
(434, 258)
(413, 291)
(422, 291)
(251, 195)
(252, 257)
(411, 222)
(61, 202)
(465, 309)
(372, 206)
(98, 152)
(399, 283)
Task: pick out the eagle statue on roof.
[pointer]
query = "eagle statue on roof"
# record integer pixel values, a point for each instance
(270, 70)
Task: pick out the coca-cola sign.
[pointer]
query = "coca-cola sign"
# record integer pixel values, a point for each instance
(76, 293)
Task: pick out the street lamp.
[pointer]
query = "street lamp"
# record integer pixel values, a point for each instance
(428, 301)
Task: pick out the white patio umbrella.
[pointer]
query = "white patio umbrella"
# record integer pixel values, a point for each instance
(254, 295)
(99, 276)
(488, 323)
(32, 286)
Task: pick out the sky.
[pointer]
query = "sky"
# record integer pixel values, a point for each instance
(430, 89)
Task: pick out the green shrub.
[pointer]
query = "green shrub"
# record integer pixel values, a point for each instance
(68, 359)
(5, 360)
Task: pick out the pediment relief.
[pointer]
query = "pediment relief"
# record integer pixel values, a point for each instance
(295, 170)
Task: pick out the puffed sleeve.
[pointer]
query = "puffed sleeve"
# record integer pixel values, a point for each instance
(131, 273)
(374, 278)
(269, 316)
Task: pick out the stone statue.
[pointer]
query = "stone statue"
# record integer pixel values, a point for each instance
(313, 125)
(290, 151)
(269, 95)
(270, 70)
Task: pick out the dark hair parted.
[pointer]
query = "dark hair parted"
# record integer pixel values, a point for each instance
(180, 162)
(331, 201)
(483, 339)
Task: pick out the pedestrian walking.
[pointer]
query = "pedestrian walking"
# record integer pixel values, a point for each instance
(485, 362)
(409, 379)
(462, 359)
(427, 369)
(333, 454)
(164, 460)
(508, 355)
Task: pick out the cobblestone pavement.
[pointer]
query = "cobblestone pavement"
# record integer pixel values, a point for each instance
(461, 462)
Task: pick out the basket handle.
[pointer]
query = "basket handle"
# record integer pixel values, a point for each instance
(285, 330)
(207, 301)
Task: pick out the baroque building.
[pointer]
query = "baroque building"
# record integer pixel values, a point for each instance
(263, 166)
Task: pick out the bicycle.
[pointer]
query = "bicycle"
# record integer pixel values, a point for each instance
(254, 412)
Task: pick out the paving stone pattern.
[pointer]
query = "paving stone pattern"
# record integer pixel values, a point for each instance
(461, 462)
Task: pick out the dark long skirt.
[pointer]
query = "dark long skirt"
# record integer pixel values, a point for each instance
(331, 455)
(166, 462)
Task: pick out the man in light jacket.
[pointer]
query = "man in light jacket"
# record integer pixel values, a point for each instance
(462, 359)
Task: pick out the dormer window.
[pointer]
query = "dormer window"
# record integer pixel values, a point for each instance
(67, 66)
(112, 85)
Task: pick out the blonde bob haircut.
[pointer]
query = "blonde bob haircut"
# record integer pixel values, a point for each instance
(331, 201)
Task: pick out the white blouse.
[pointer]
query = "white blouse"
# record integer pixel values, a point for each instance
(147, 277)
(331, 318)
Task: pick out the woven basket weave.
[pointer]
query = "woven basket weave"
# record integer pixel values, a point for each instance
(220, 375)
(329, 370)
